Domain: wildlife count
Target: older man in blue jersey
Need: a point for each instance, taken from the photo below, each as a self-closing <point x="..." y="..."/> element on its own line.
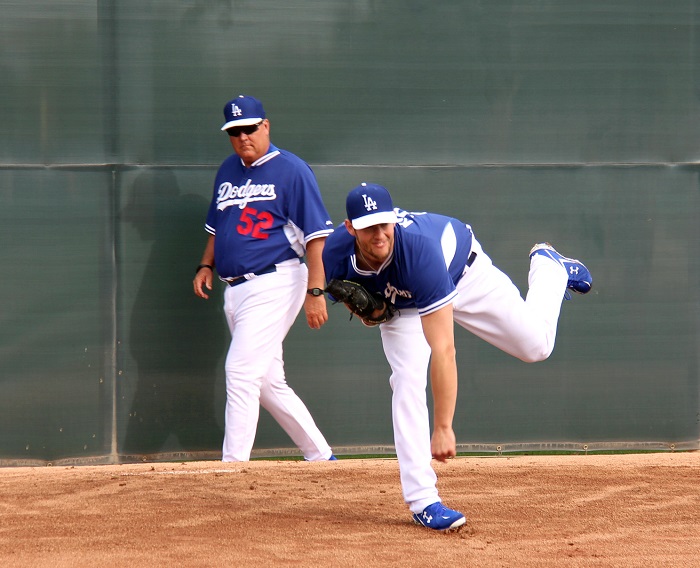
<point x="434" y="271"/>
<point x="266" y="213"/>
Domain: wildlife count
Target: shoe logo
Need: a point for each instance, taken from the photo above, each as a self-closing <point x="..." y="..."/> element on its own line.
<point x="573" y="269"/>
<point x="428" y="518"/>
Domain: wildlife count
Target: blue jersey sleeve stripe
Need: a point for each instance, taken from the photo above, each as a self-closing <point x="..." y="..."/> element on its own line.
<point x="317" y="234"/>
<point x="209" y="229"/>
<point x="435" y="306"/>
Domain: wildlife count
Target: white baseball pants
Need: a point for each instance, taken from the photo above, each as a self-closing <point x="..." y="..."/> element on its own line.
<point x="489" y="305"/>
<point x="260" y="313"/>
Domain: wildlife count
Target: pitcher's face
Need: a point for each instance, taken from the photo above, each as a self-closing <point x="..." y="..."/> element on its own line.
<point x="375" y="243"/>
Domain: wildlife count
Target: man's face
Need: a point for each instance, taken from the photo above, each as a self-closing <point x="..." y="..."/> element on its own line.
<point x="375" y="243"/>
<point x="251" y="147"/>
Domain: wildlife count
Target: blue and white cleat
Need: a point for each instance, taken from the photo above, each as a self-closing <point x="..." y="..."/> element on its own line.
<point x="439" y="518"/>
<point x="580" y="279"/>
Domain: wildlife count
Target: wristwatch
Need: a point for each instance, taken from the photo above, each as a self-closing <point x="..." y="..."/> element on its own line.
<point x="315" y="291"/>
<point x="209" y="266"/>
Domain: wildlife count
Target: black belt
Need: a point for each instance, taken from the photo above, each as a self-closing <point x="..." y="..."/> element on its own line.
<point x="241" y="279"/>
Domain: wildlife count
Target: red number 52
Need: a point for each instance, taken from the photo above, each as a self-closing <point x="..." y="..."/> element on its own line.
<point x="254" y="223"/>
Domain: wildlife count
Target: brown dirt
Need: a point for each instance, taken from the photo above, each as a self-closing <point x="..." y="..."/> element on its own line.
<point x="547" y="511"/>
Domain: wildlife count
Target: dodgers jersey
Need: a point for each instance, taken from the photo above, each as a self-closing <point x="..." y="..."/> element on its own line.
<point x="264" y="214"/>
<point x="429" y="257"/>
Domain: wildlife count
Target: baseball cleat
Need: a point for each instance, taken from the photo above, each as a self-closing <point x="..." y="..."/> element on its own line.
<point x="439" y="518"/>
<point x="580" y="279"/>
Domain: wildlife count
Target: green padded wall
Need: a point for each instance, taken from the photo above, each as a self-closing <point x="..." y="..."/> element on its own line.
<point x="577" y="123"/>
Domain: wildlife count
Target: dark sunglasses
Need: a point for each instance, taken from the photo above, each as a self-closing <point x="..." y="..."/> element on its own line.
<point x="236" y="131"/>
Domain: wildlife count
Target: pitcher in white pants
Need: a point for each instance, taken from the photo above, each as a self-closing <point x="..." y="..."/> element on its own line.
<point x="433" y="270"/>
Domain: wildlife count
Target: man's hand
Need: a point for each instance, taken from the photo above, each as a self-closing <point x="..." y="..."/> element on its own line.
<point x="205" y="276"/>
<point x="203" y="279"/>
<point x="443" y="444"/>
<point x="315" y="306"/>
<point x="316" y="312"/>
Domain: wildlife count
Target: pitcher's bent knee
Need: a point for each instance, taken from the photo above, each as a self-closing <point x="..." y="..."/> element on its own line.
<point x="536" y="355"/>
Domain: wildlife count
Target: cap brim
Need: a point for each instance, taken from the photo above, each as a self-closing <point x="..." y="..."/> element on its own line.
<point x="374" y="219"/>
<point x="242" y="122"/>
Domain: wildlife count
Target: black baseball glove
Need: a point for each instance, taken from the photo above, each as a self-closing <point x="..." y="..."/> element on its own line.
<point x="361" y="302"/>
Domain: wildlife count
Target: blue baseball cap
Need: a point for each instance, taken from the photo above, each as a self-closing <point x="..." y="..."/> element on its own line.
<point x="243" y="111"/>
<point x="369" y="204"/>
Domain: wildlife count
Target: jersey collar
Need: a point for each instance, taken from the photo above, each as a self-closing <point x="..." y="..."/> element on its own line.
<point x="363" y="272"/>
<point x="272" y="152"/>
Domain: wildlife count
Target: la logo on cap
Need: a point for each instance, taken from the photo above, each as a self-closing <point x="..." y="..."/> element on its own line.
<point x="236" y="110"/>
<point x="370" y="203"/>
